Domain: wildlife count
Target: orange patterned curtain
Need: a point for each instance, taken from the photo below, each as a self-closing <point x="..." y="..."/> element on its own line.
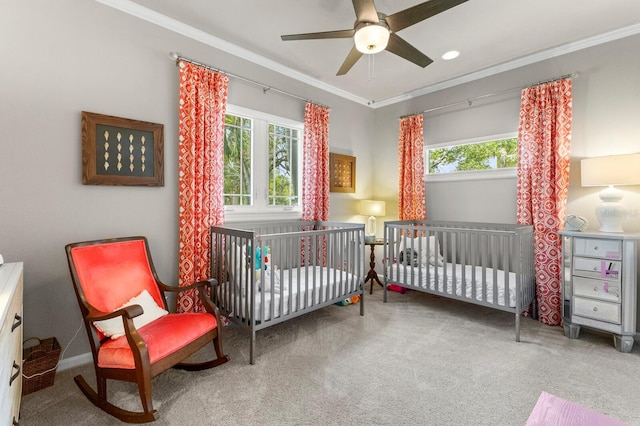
<point x="315" y="170"/>
<point x="544" y="142"/>
<point x="203" y="101"/>
<point x="411" y="201"/>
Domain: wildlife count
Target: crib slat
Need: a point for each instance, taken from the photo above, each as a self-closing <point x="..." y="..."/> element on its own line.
<point x="494" y="262"/>
<point x="309" y="253"/>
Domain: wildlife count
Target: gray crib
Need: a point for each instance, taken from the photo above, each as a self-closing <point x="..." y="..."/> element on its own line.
<point x="487" y="264"/>
<point x="274" y="271"/>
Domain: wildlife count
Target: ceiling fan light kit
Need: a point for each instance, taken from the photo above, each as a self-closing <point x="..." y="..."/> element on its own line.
<point x="374" y="32"/>
<point x="371" y="38"/>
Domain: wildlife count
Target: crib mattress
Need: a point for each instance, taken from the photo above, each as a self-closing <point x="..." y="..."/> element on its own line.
<point x="410" y="276"/>
<point x="299" y="289"/>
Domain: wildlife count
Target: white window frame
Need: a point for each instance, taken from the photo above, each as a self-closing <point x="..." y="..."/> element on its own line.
<point x="260" y="169"/>
<point x="501" y="173"/>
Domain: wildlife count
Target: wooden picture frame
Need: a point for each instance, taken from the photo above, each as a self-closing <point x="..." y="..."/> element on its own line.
<point x="120" y="151"/>
<point x="342" y="173"/>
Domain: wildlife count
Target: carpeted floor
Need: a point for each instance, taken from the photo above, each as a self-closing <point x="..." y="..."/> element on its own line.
<point x="417" y="360"/>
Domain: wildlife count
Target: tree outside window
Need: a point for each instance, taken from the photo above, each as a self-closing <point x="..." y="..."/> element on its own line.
<point x="283" y="166"/>
<point x="261" y="162"/>
<point x="494" y="154"/>
<point x="237" y="161"/>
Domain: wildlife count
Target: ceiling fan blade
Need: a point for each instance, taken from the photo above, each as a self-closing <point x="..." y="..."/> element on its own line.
<point x="406" y="18"/>
<point x="352" y="58"/>
<point x="321" y="35"/>
<point x="403" y="49"/>
<point x="365" y="11"/>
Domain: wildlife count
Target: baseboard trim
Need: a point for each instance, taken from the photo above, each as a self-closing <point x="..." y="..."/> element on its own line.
<point x="75" y="361"/>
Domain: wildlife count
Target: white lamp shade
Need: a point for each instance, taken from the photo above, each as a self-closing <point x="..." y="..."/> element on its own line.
<point x="371" y="38"/>
<point x="372" y="208"/>
<point x="611" y="170"/>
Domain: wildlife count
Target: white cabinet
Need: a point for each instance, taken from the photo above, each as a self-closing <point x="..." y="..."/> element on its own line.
<point x="10" y="342"/>
<point x="599" y="284"/>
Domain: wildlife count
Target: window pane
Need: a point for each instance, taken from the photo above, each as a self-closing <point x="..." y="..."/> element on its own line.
<point x="494" y="154"/>
<point x="283" y="166"/>
<point x="237" y="161"/>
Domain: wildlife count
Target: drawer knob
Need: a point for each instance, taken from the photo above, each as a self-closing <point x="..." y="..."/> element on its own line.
<point x="595" y="247"/>
<point x="16" y="374"/>
<point x="595" y="309"/>
<point x="595" y="289"/>
<point x="16" y="323"/>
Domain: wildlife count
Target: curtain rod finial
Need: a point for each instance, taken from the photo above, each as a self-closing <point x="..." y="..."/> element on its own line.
<point x="173" y="56"/>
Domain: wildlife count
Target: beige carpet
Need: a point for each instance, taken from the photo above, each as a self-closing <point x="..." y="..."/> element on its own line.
<point x="417" y="360"/>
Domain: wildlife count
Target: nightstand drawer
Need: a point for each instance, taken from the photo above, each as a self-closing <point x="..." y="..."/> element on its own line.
<point x="597" y="289"/>
<point x="597" y="268"/>
<point x="594" y="309"/>
<point x="609" y="249"/>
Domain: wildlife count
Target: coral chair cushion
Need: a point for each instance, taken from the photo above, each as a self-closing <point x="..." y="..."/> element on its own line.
<point x="110" y="274"/>
<point x="163" y="337"/>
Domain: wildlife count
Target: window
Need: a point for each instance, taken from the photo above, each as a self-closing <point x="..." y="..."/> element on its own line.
<point x="237" y="160"/>
<point x="283" y="165"/>
<point x="487" y="157"/>
<point x="262" y="163"/>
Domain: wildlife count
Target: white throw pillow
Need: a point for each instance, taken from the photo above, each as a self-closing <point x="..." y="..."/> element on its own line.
<point x="114" y="328"/>
<point x="419" y="245"/>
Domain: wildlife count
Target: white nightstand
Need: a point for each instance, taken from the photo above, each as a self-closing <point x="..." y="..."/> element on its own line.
<point x="599" y="282"/>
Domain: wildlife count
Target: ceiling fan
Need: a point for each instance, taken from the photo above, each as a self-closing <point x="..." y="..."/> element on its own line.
<point x="374" y="31"/>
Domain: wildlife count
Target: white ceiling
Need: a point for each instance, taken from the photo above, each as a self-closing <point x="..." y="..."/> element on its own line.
<point x="492" y="36"/>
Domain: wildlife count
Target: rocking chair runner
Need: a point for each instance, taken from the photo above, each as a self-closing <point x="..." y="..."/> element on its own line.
<point x="132" y="336"/>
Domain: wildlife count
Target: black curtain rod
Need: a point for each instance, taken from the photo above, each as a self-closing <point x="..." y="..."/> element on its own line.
<point x="471" y="100"/>
<point x="265" y="88"/>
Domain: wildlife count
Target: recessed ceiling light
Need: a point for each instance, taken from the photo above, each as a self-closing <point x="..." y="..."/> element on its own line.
<point x="452" y="54"/>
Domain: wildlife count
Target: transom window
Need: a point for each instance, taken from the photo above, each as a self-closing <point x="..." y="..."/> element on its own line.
<point x="491" y="156"/>
<point x="262" y="162"/>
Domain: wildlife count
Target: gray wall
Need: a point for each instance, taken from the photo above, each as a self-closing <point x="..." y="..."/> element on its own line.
<point x="605" y="122"/>
<point x="63" y="57"/>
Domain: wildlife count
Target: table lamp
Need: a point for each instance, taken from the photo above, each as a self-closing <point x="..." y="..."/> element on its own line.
<point x="372" y="209"/>
<point x="611" y="171"/>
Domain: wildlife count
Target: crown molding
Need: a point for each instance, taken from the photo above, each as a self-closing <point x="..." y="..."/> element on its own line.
<point x="149" y="15"/>
<point x="516" y="63"/>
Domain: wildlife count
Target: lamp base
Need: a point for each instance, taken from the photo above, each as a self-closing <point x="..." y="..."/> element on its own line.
<point x="370" y="229"/>
<point x="611" y="216"/>
<point x="610" y="213"/>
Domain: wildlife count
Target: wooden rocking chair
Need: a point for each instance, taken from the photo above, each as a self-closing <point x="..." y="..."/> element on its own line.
<point x="133" y="338"/>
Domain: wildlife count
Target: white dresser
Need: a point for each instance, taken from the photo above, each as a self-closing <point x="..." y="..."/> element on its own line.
<point x="599" y="284"/>
<point x="10" y="342"/>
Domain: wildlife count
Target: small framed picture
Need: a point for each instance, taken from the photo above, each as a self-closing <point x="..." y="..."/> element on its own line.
<point x="120" y="151"/>
<point x="342" y="173"/>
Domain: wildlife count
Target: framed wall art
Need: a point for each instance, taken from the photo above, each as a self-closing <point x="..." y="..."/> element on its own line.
<point x="120" y="151"/>
<point x="342" y="173"/>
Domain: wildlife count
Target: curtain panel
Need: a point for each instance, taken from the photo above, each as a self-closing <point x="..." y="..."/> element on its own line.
<point x="203" y="100"/>
<point x="315" y="169"/>
<point x="411" y="192"/>
<point x="544" y="143"/>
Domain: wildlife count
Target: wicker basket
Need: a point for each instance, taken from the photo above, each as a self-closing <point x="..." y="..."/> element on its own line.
<point x="39" y="364"/>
